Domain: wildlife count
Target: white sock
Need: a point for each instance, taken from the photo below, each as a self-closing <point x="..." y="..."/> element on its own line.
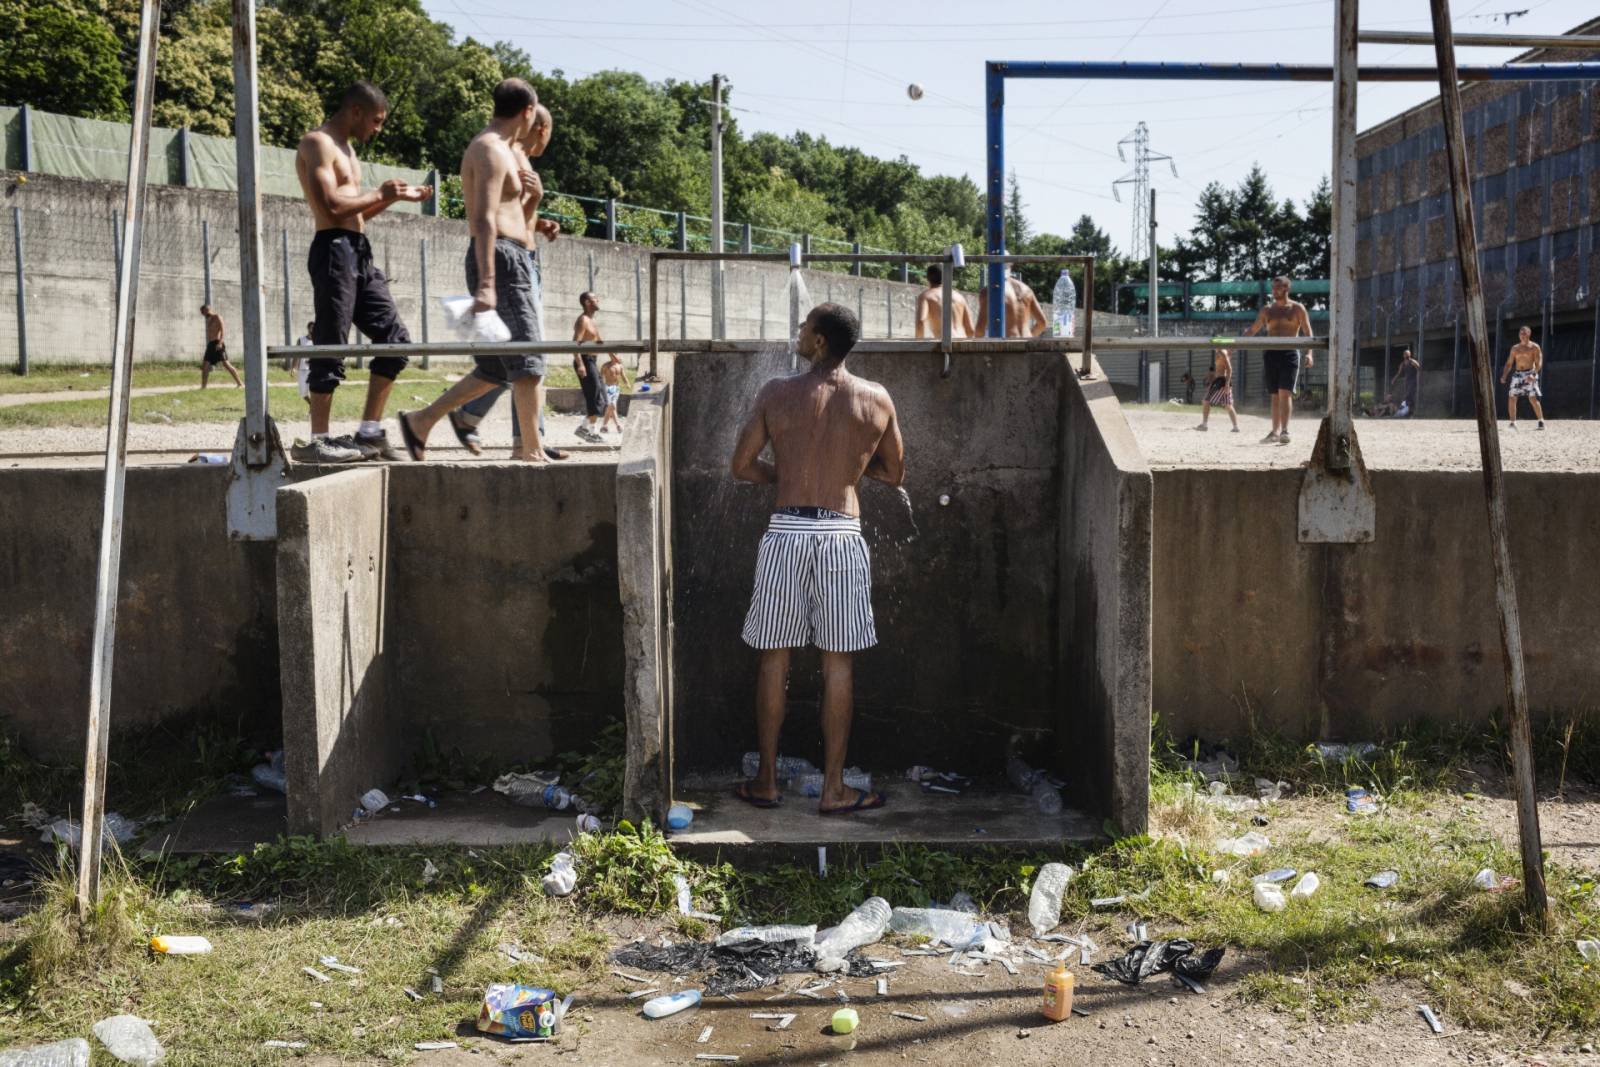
<point x="369" y="429"/>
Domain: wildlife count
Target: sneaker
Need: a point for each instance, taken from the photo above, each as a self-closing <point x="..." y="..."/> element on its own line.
<point x="1283" y="438"/>
<point x="1236" y="429"/>
<point x="323" y="450"/>
<point x="583" y="433"/>
<point x="1203" y="428"/>
<point x="350" y="440"/>
<point x="1540" y="426"/>
<point x="1512" y="427"/>
<point x="1270" y="439"/>
<point x="385" y="451"/>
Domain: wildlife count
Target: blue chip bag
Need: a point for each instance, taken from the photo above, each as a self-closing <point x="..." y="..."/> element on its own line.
<point x="519" y="1011"/>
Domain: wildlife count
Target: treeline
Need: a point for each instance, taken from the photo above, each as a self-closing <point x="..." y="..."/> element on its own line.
<point x="617" y="134"/>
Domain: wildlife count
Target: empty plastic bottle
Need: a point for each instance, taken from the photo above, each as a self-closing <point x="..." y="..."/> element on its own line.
<point x="130" y="1039"/>
<point x="270" y="775"/>
<point x="1306" y="886"/>
<point x="1269" y="897"/>
<point x="810" y="785"/>
<point x="955" y="928"/>
<point x="1046" y="797"/>
<point x="74" y="1052"/>
<point x="1044" y="902"/>
<point x="671" y="1004"/>
<point x="1065" y="305"/>
<point x="861" y="927"/>
<point x="788" y="766"/>
<point x="563" y="876"/>
<point x="556" y="797"/>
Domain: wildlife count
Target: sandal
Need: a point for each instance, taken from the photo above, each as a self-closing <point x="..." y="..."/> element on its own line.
<point x="744" y="792"/>
<point x="866" y="800"/>
<point x="467" y="435"/>
<point x="413" y="442"/>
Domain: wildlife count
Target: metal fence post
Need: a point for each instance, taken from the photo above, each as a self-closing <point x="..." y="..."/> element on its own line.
<point x="611" y="218"/>
<point x="744" y="239"/>
<point x="805" y="244"/>
<point x="638" y="302"/>
<point x="22" y="300"/>
<point x="205" y="255"/>
<point x="116" y="239"/>
<point x="905" y="272"/>
<point x="184" y="177"/>
<point x="422" y="250"/>
<point x="855" y="268"/>
<point x="430" y="206"/>
<point x="888" y="311"/>
<point x="288" y="300"/>
<point x="27" y="138"/>
<point x="683" y="232"/>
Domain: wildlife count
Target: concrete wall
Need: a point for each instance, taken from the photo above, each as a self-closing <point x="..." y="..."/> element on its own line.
<point x="71" y="254"/>
<point x="1343" y="642"/>
<point x="965" y="595"/>
<point x="1105" y="605"/>
<point x="196" y="630"/>
<point x="339" y="738"/>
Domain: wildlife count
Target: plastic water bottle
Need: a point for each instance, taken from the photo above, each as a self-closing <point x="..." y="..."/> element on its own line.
<point x="810" y="785"/>
<point x="1306" y="886"/>
<point x="671" y="1004"/>
<point x="73" y="1052"/>
<point x="270" y="775"/>
<point x="1044" y="902"/>
<point x="1268" y="897"/>
<point x="954" y="928"/>
<point x="556" y="798"/>
<point x="789" y="767"/>
<point x="861" y="927"/>
<point x="1046" y="797"/>
<point x="1065" y="309"/>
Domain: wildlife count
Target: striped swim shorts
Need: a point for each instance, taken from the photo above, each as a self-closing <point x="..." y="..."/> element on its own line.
<point x="813" y="585"/>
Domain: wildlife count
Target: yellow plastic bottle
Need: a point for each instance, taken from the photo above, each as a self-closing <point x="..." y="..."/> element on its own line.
<point x="1058" y="993"/>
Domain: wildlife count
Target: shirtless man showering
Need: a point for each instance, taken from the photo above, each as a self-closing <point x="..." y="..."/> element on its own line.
<point x="930" y="309"/>
<point x="1024" y="315"/>
<point x="1282" y="318"/>
<point x="827" y="429"/>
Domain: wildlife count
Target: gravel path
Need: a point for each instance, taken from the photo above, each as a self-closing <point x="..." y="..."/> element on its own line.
<point x="1169" y="440"/>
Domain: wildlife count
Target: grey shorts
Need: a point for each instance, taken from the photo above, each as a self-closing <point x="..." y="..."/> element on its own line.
<point x="517" y="304"/>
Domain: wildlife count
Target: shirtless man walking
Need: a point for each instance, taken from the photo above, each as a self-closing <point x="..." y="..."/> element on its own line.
<point x="493" y="181"/>
<point x="1024" y="315"/>
<point x="1282" y="318"/>
<point x="930" y="309"/>
<point x="216" y="351"/>
<point x="1219" y="390"/>
<point x="1523" y="366"/>
<point x="594" y="390"/>
<point x="813" y="583"/>
<point x="348" y="287"/>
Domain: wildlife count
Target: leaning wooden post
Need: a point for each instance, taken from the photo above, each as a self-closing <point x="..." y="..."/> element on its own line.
<point x="1505" y="590"/>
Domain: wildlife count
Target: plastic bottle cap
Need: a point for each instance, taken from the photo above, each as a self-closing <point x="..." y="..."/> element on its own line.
<point x="845" y="1020"/>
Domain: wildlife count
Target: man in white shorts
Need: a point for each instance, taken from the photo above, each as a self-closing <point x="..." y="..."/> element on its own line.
<point x="827" y="429"/>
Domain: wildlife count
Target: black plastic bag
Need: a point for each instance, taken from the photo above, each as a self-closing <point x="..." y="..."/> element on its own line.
<point x="1156" y="957"/>
<point x="734" y="968"/>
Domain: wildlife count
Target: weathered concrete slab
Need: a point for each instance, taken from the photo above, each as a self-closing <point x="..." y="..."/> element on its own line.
<point x="643" y="562"/>
<point x="1103" y="744"/>
<point x="339" y="736"/>
<point x="484" y="820"/>
<point x="222" y="824"/>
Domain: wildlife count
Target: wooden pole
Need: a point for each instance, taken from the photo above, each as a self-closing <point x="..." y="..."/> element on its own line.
<point x="1493" y="476"/>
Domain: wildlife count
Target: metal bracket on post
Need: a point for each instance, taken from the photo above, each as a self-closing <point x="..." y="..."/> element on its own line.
<point x="1336" y="502"/>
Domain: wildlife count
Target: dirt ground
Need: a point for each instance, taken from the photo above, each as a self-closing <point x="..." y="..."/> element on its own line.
<point x="1169" y="439"/>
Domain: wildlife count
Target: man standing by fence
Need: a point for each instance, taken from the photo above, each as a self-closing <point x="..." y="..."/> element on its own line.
<point x="1282" y="318"/>
<point x="347" y="285"/>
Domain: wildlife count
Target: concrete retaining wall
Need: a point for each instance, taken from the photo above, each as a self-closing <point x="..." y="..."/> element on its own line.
<point x="1105" y="605"/>
<point x="339" y="737"/>
<point x="1344" y="642"/>
<point x="196" y="625"/>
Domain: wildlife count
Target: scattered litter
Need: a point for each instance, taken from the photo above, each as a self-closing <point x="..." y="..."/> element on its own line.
<point x="270" y="775"/>
<point x="1260" y="820"/>
<point x="317" y="1004"/>
<point x="933" y="781"/>
<point x="671" y="1004"/>
<point x="113" y="830"/>
<point x="679" y="816"/>
<point x="374" y="801"/>
<point x="741" y="960"/>
<point x="863" y="926"/>
<point x="814" y="992"/>
<point x="1108" y="902"/>
<point x="1589" y="950"/>
<point x="766" y="935"/>
<point x="420" y="799"/>
<point x="1341" y="752"/>
<point x="412" y="993"/>
<point x="1488" y="880"/>
<point x="705" y="1035"/>
<point x="883" y="983"/>
<point x="637" y="993"/>
<point x="520" y="955"/>
<point x="1305" y="887"/>
<point x="519" y="1011"/>
<point x="563" y="876"/>
<point x="437" y="985"/>
<point x="1269" y="791"/>
<point x="1269" y="897"/>
<point x="1158" y="957"/>
<point x="845" y="1021"/>
<point x="1036" y="954"/>
<point x="1280" y="874"/>
<point x="1382" y="880"/>
<point x="631" y="977"/>
<point x="283" y="1044"/>
<point x="887" y="965"/>
<point x="783" y="1018"/>
<point x="73" y="1052"/>
<point x="686" y="901"/>
<point x="721" y="1057"/>
<point x="955" y="928"/>
<point x="1223" y="766"/>
<point x="318" y="975"/>
<point x="909" y="1015"/>
<point x="1251" y="844"/>
<point x="429" y="872"/>
<point x="1044" y="901"/>
<point x="1217" y="796"/>
<point x="1221" y="877"/>
<point x="788" y="766"/>
<point x="810" y="785"/>
<point x="1193" y="986"/>
<point x="534" y="789"/>
<point x="182" y="945"/>
<point x="434" y="1046"/>
<point x="1430" y="1018"/>
<point x="822" y="861"/>
<point x="1138" y="931"/>
<point x="333" y="964"/>
<point x="1080" y="1013"/>
<point x="129" y="1039"/>
<point x="1359" y="802"/>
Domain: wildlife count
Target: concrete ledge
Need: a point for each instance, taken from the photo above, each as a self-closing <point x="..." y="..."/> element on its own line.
<point x="1105" y="549"/>
<point x="332" y="588"/>
<point x="642" y="549"/>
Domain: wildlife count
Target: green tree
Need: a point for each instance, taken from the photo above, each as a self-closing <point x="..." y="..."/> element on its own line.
<point x="60" y="57"/>
<point x="1017" y="229"/>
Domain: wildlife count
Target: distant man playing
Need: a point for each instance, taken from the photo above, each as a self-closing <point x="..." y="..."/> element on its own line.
<point x="1282" y="318"/>
<point x="930" y="309"/>
<point x="1523" y="366"/>
<point x="347" y="286"/>
<point x="813" y="583"/>
<point x="594" y="390"/>
<point x="499" y="273"/>
<point x="216" y="351"/>
<point x="1024" y="316"/>
<point x="1411" y="371"/>
<point x="1219" y="390"/>
<point x="466" y="419"/>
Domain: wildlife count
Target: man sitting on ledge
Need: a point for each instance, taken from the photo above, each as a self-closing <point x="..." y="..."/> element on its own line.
<point x="813" y="583"/>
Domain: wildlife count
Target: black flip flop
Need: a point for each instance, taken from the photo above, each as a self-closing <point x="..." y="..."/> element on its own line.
<point x="742" y="791"/>
<point x="413" y="442"/>
<point x="465" y="434"/>
<point x="866" y="800"/>
<point x="556" y="453"/>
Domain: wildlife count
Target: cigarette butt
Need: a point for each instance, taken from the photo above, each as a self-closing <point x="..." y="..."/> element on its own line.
<point x="909" y="1015"/>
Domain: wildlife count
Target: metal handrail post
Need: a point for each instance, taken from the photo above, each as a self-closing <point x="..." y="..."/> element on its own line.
<point x="994" y="91"/>
<point x="1086" y="371"/>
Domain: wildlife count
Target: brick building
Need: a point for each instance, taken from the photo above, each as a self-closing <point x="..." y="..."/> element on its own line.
<point x="1533" y="150"/>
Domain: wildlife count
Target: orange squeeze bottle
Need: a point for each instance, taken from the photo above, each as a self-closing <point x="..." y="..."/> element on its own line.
<point x="1058" y="993"/>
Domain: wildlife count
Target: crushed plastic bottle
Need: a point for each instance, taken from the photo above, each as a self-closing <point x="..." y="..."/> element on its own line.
<point x="671" y="1004"/>
<point x="563" y="876"/>
<point x="1046" y="794"/>
<point x="129" y="1039"/>
<point x="957" y="929"/>
<point x="374" y="801"/>
<point x="789" y="767"/>
<point x="863" y="926"/>
<point x="1250" y="844"/>
<point x="73" y="1052"/>
<point x="1044" y="902"/>
<point x="1269" y="897"/>
<point x="270" y="775"/>
<point x="810" y="785"/>
<point x="1305" y="887"/>
<point x="1064" y="305"/>
<point x="804" y="936"/>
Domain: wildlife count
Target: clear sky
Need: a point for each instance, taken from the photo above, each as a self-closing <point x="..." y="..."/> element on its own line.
<point x="840" y="68"/>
